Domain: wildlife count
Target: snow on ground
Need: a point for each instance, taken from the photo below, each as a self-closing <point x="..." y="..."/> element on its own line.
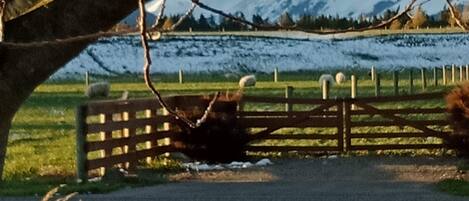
<point x="197" y="166"/>
<point x="231" y="54"/>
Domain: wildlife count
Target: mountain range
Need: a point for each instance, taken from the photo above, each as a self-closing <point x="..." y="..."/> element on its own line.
<point x="272" y="9"/>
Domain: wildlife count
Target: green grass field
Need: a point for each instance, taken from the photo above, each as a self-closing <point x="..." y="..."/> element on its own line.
<point x="41" y="152"/>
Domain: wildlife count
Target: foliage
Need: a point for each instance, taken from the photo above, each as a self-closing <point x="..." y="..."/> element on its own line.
<point x="285" y="20"/>
<point x="168" y="23"/>
<point x="458" y="107"/>
<point x="395" y="25"/>
<point x="419" y="19"/>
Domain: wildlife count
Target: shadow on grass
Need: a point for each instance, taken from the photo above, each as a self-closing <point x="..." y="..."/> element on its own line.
<point x="41" y="185"/>
<point x="454" y="187"/>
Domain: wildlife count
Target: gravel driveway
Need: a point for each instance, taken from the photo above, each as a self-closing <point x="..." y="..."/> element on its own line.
<point x="350" y="179"/>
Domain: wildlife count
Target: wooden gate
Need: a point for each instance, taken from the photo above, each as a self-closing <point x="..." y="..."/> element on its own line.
<point x="124" y="132"/>
<point x="269" y="118"/>
<point x="367" y="120"/>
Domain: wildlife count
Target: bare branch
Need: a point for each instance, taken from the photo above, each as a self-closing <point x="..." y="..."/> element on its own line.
<point x="68" y="197"/>
<point x="204" y="118"/>
<point x="160" y="15"/>
<point x="203" y="6"/>
<point x="456" y="16"/>
<point x="49" y="195"/>
<point x="408" y="8"/>
<point x="184" y="17"/>
<point x="147" y="67"/>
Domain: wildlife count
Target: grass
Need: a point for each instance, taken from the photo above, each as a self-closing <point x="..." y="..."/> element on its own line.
<point x="454" y="187"/>
<point x="41" y="152"/>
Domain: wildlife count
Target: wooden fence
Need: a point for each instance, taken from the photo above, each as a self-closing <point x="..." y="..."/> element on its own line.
<point x="120" y="133"/>
<point x="124" y="133"/>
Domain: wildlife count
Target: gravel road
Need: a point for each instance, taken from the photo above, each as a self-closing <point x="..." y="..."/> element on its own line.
<point x="354" y="178"/>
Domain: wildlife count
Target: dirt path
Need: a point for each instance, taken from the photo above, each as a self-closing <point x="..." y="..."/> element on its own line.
<point x="356" y="178"/>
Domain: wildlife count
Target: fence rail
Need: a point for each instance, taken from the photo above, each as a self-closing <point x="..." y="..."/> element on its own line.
<point x="123" y="133"/>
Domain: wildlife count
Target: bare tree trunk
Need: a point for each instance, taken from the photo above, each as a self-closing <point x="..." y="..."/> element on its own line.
<point x="22" y="69"/>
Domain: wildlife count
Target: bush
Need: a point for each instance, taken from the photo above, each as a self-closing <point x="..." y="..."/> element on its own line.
<point x="458" y="108"/>
<point x="219" y="139"/>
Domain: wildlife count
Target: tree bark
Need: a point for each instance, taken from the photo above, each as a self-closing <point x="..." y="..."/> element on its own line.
<point x="22" y="69"/>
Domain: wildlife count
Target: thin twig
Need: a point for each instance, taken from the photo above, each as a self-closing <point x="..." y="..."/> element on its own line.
<point x="147" y="66"/>
<point x="456" y="16"/>
<point x="49" y="195"/>
<point x="204" y="118"/>
<point x="147" y="74"/>
<point x="184" y="17"/>
<point x="408" y="8"/>
<point x="68" y="197"/>
<point x="98" y="35"/>
<point x="160" y="15"/>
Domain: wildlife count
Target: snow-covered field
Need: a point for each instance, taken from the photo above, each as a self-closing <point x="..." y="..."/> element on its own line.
<point x="231" y="54"/>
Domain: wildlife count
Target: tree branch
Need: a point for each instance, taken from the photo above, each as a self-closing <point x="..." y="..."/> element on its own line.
<point x="147" y="68"/>
<point x="184" y="17"/>
<point x="456" y="16"/>
<point x="160" y="15"/>
<point x="3" y="5"/>
<point x="408" y="8"/>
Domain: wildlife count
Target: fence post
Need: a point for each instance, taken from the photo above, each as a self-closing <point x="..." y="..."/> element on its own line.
<point x="373" y="73"/>
<point x="378" y="85"/>
<point x="435" y="76"/>
<point x="150" y="130"/>
<point x="453" y="73"/>
<point x="395" y="77"/>
<point x="467" y="72"/>
<point x="276" y="74"/>
<point x="353" y="93"/>
<point x="424" y="78"/>
<point x="347" y="124"/>
<point x="288" y="94"/>
<point x="80" y="119"/>
<point x="87" y="78"/>
<point x="445" y="76"/>
<point x="340" y="126"/>
<point x="461" y="73"/>
<point x="104" y="136"/>
<point x="411" y="81"/>
<point x="181" y="76"/>
<point x="325" y="89"/>
<point x="131" y="147"/>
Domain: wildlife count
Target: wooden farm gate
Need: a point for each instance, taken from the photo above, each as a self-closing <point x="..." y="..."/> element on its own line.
<point x="364" y="124"/>
<point x="126" y="132"/>
<point x="406" y="122"/>
<point x="272" y="121"/>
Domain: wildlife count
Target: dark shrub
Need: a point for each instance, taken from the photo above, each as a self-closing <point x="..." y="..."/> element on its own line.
<point x="458" y="107"/>
<point x="219" y="139"/>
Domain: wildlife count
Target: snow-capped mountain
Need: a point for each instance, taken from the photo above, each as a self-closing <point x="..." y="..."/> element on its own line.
<point x="272" y="9"/>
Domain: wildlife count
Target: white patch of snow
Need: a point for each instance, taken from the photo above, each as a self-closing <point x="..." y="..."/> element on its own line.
<point x="264" y="162"/>
<point x="197" y="166"/>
